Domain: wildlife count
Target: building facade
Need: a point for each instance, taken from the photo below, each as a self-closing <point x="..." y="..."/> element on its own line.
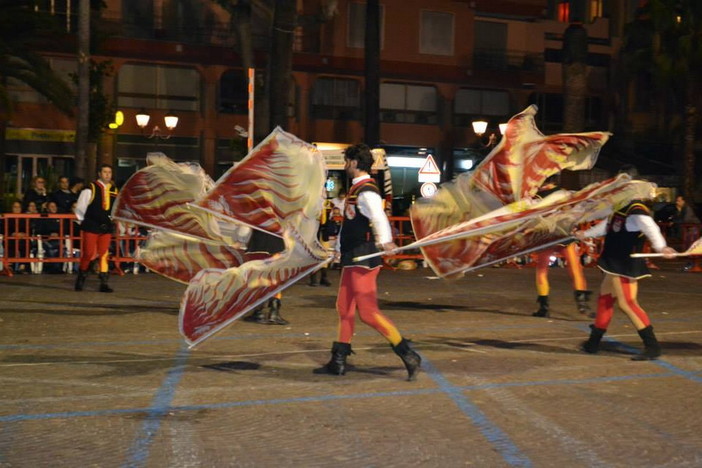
<point x="444" y="64"/>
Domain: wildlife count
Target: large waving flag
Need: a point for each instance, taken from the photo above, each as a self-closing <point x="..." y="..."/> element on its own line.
<point x="488" y="215"/>
<point x="200" y="228"/>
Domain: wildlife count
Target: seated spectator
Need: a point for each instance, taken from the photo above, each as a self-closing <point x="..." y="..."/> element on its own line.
<point x="49" y="229"/>
<point x="36" y="193"/>
<point x="64" y="196"/>
<point x="17" y="230"/>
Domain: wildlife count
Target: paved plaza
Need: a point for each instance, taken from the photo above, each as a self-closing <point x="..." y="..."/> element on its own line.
<point x="104" y="380"/>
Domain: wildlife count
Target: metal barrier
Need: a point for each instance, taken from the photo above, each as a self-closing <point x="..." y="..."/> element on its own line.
<point x="33" y="243"/>
<point x="28" y="239"/>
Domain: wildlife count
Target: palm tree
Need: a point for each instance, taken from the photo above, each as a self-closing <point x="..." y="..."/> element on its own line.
<point x="20" y="25"/>
<point x="665" y="41"/>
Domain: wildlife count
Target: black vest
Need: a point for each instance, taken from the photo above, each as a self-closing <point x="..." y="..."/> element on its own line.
<point x="97" y="216"/>
<point x="620" y="243"/>
<point x="356" y="233"/>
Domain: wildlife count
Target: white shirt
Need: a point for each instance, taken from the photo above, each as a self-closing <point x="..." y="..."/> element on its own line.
<point x="634" y="223"/>
<point x="370" y="205"/>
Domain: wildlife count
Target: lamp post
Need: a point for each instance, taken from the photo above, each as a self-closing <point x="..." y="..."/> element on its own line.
<point x="480" y="127"/>
<point x="170" y="120"/>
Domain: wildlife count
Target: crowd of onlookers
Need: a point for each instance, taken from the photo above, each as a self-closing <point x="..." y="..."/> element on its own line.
<point x="43" y="234"/>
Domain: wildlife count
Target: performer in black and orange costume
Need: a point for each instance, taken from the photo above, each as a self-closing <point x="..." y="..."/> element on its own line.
<point x="625" y="233"/>
<point x="262" y="245"/>
<point x="575" y="268"/>
<point x="365" y="225"/>
<point x="93" y="211"/>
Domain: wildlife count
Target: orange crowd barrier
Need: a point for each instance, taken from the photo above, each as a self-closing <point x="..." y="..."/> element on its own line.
<point x="37" y="243"/>
<point x="45" y="242"/>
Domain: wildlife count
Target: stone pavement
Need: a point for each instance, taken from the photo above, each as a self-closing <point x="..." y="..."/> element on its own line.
<point x="90" y="379"/>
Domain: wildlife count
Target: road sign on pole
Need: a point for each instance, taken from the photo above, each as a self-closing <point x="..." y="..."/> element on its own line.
<point x="430" y="171"/>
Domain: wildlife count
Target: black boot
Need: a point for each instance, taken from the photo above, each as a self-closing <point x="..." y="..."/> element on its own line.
<point x="410" y="357"/>
<point x="275" y="318"/>
<point x="314" y="279"/>
<point x="543" y="307"/>
<point x="103" y="283"/>
<point x="592" y="345"/>
<point x="258" y="316"/>
<point x="324" y="281"/>
<point x="651" y="347"/>
<point x="337" y="363"/>
<point x="582" y="300"/>
<point x="80" y="280"/>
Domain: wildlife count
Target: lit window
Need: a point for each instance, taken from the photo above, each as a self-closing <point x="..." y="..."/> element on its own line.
<point x="595" y="9"/>
<point x="564" y="12"/>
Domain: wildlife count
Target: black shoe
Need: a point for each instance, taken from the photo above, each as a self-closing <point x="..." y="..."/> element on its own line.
<point x="103" y="283"/>
<point x="652" y="349"/>
<point x="410" y="358"/>
<point x="582" y="301"/>
<point x="257" y="316"/>
<point x="543" y="307"/>
<point x="337" y="363"/>
<point x="80" y="280"/>
<point x="275" y="318"/>
<point x="592" y="345"/>
<point x="325" y="282"/>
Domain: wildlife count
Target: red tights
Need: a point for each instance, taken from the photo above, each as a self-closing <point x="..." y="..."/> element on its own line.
<point x="358" y="289"/>
<point x="624" y="290"/>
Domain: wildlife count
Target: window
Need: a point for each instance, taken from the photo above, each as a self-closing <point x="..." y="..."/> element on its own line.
<point x="564" y="12"/>
<point x="158" y="87"/>
<point x="357" y="25"/>
<point x="436" y="33"/>
<point x="484" y="103"/>
<point x="233" y="92"/>
<point x="490" y="50"/>
<point x="336" y="98"/>
<point x="596" y="10"/>
<point x="404" y="103"/>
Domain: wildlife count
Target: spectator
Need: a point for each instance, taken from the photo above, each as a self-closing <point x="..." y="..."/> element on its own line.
<point x="340" y="200"/>
<point x="48" y="229"/>
<point x="36" y="193"/>
<point x="684" y="214"/>
<point x="64" y="196"/>
<point x="18" y="231"/>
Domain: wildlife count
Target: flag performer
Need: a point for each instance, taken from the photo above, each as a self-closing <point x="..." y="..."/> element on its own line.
<point x="365" y="226"/>
<point x="575" y="268"/>
<point x="93" y="210"/>
<point x="625" y="233"/>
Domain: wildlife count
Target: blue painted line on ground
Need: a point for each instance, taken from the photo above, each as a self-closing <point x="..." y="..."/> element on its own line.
<point x="139" y="452"/>
<point x="496" y="436"/>
<point x="320" y="398"/>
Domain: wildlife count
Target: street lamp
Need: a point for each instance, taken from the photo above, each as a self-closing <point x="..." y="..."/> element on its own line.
<point x="171" y="121"/>
<point x="479" y="128"/>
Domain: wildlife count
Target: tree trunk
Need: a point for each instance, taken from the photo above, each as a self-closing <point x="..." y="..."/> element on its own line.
<point x="689" y="181"/>
<point x="372" y="72"/>
<point x="574" y="89"/>
<point x="83" y="89"/>
<point x="3" y="158"/>
<point x="284" y="20"/>
<point x="241" y="16"/>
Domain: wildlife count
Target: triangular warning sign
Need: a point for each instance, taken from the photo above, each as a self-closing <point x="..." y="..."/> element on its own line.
<point x="429" y="167"/>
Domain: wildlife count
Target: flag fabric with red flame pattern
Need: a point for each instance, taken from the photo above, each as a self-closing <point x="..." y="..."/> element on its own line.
<point x="200" y="228"/>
